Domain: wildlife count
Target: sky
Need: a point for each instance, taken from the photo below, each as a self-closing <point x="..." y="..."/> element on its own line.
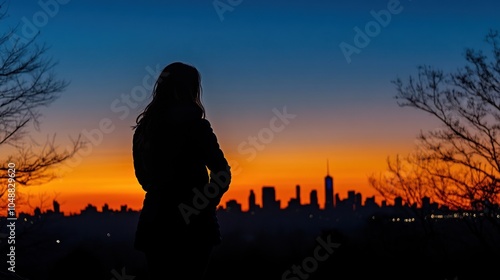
<point x="288" y="86"/>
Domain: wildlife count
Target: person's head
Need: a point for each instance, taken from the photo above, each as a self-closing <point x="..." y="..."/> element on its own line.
<point x="178" y="84"/>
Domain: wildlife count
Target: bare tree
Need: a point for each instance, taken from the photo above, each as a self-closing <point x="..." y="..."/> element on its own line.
<point x="458" y="163"/>
<point x="27" y="84"/>
<point x="408" y="179"/>
<point x="465" y="150"/>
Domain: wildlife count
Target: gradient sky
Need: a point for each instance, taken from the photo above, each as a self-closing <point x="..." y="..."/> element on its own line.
<point x="254" y="57"/>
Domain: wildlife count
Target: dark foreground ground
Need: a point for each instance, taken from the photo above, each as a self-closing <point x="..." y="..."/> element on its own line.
<point x="100" y="247"/>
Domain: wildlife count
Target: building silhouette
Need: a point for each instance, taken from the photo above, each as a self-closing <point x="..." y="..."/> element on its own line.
<point x="233" y="206"/>
<point x="295" y="203"/>
<point x="252" y="205"/>
<point x="329" y="203"/>
<point x="269" y="202"/>
<point x="105" y="208"/>
<point x="57" y="207"/>
<point x="297" y="194"/>
<point x="313" y="198"/>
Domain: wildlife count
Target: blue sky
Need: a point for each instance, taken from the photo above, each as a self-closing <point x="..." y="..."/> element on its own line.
<point x="262" y="54"/>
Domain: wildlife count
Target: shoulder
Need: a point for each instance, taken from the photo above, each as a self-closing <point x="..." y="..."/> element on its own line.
<point x="137" y="133"/>
<point x="206" y="131"/>
<point x="205" y="125"/>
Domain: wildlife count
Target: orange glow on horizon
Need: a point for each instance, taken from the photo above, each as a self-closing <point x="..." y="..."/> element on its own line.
<point x="109" y="179"/>
<point x="104" y="175"/>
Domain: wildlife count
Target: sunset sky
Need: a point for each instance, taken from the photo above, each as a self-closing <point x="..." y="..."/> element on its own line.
<point x="259" y="60"/>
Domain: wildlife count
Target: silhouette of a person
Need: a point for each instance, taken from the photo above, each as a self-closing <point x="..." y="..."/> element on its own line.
<point x="184" y="173"/>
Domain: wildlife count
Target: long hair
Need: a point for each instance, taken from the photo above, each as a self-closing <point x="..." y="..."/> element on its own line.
<point x="178" y="83"/>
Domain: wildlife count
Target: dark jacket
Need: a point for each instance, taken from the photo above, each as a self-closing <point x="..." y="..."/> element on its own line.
<point x="178" y="162"/>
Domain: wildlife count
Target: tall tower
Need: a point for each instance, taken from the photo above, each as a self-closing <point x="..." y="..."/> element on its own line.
<point x="57" y="208"/>
<point x="313" y="197"/>
<point x="297" y="194"/>
<point x="252" y="206"/>
<point x="269" y="201"/>
<point x="329" y="202"/>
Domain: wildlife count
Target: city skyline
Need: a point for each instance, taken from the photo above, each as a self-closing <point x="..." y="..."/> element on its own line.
<point x="327" y="195"/>
<point x="281" y="89"/>
<point x="82" y="241"/>
<point x="268" y="201"/>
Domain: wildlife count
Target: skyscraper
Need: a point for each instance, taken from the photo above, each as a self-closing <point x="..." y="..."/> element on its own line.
<point x="269" y="201"/>
<point x="297" y="194"/>
<point x="313" y="197"/>
<point x="251" y="201"/>
<point x="329" y="203"/>
<point x="57" y="208"/>
<point x="294" y="202"/>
